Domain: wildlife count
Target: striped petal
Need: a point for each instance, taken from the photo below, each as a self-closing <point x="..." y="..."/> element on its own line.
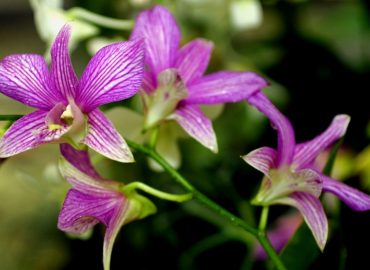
<point x="79" y="159"/>
<point x="354" y="198"/>
<point x="262" y="159"/>
<point x="121" y="217"/>
<point x="224" y="86"/>
<point x="286" y="139"/>
<point x="85" y="183"/>
<point x="25" y="77"/>
<point x="104" y="138"/>
<point x="94" y="200"/>
<point x="313" y="214"/>
<point x="81" y="211"/>
<point x="197" y="125"/>
<point x="23" y="134"/>
<point x="192" y="60"/>
<point x="307" y="152"/>
<point x="113" y="74"/>
<point x="161" y="34"/>
<point x="62" y="72"/>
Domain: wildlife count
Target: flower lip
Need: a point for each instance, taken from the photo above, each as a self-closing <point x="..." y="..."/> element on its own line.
<point x="161" y="103"/>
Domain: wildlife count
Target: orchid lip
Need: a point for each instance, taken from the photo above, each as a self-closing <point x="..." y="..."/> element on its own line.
<point x="161" y="103"/>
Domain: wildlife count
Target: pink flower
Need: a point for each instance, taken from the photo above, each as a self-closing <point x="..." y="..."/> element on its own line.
<point x="67" y="108"/>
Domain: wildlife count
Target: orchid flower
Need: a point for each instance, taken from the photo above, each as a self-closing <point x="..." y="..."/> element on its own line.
<point x="93" y="199"/>
<point x="67" y="108"/>
<point x="174" y="82"/>
<point x="290" y="174"/>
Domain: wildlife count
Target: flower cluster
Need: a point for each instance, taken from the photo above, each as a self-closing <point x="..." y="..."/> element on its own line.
<point x="172" y="84"/>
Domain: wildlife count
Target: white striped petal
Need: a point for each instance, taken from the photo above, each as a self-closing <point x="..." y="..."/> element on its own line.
<point x="197" y="125"/>
<point x="79" y="159"/>
<point x="23" y="134"/>
<point x="25" y="77"/>
<point x="104" y="138"/>
<point x="262" y="159"/>
<point x="192" y="59"/>
<point x="113" y="74"/>
<point x="81" y="211"/>
<point x="161" y="35"/>
<point x="223" y="87"/>
<point x="62" y="72"/>
<point x="312" y="212"/>
<point x="307" y="152"/>
<point x="354" y="198"/>
<point x="286" y="138"/>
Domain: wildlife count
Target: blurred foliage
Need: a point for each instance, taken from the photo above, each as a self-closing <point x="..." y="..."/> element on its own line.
<point x="316" y="55"/>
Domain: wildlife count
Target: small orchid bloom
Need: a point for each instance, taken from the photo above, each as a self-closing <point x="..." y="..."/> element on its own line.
<point x="93" y="199"/>
<point x="174" y="82"/>
<point x="67" y="108"/>
<point x="290" y="174"/>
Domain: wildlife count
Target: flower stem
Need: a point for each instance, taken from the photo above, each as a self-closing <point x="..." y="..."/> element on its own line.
<point x="107" y="22"/>
<point x="157" y="193"/>
<point x="207" y="202"/>
<point x="153" y="137"/>
<point x="263" y="219"/>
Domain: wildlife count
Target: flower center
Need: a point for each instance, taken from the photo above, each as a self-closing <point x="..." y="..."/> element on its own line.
<point x="160" y="104"/>
<point x="283" y="181"/>
<point x="67" y="121"/>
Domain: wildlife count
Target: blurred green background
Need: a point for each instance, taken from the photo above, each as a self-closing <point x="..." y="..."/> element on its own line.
<point x="316" y="55"/>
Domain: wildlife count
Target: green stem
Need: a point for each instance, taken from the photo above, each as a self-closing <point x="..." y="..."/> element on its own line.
<point x="89" y="16"/>
<point x="10" y="117"/>
<point x="153" y="137"/>
<point x="263" y="219"/>
<point x="200" y="197"/>
<point x="157" y="193"/>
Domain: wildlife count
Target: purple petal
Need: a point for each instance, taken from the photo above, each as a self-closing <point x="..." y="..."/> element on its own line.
<point x="162" y="38"/>
<point x="262" y="159"/>
<point x="149" y="82"/>
<point x="313" y="214"/>
<point x="104" y="138"/>
<point x="79" y="158"/>
<point x="286" y="140"/>
<point x="197" y="125"/>
<point x="23" y="134"/>
<point x="81" y="211"/>
<point x="25" y="77"/>
<point x="307" y="152"/>
<point x="192" y="60"/>
<point x="114" y="73"/>
<point x="62" y="72"/>
<point x="85" y="183"/>
<point x="354" y="198"/>
<point x="224" y="86"/>
<point x="115" y="224"/>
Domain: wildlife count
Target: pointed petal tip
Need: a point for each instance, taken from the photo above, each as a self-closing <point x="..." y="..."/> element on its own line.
<point x="214" y="147"/>
<point x="262" y="159"/>
<point x="342" y="120"/>
<point x="128" y="157"/>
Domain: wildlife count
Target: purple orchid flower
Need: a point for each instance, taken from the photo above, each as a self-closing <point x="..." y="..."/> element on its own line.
<point x="291" y="177"/>
<point x="67" y="108"/>
<point x="174" y="82"/>
<point x="93" y="199"/>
